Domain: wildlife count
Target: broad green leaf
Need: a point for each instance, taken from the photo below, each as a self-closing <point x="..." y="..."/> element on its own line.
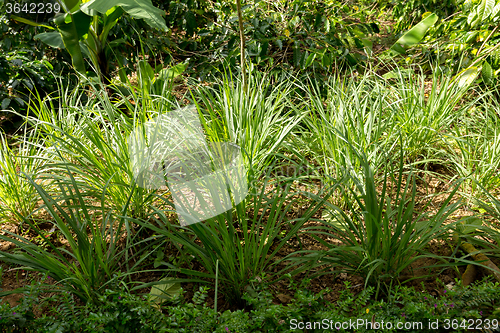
<point x="352" y="60"/>
<point x="117" y="42"/>
<point x="470" y="225"/>
<point x="481" y="13"/>
<point x="495" y="12"/>
<point x="71" y="33"/>
<point x="426" y="14"/>
<point x="173" y="72"/>
<point x="19" y="101"/>
<point x="52" y="39"/>
<point x="265" y="46"/>
<point x="138" y="9"/>
<point x="310" y="59"/>
<point x="466" y="77"/>
<point x="81" y="22"/>
<point x="487" y="8"/>
<point x="110" y="20"/>
<point x="145" y="74"/>
<point x="29" y="22"/>
<point x="368" y="44"/>
<point x="71" y="5"/>
<point x="471" y="36"/>
<point x="487" y="72"/>
<point x="166" y="290"/>
<point x="326" y="60"/>
<point x="415" y="34"/>
<point x="190" y="22"/>
<point x="472" y="17"/>
<point x="398" y="48"/>
<point x="359" y="43"/>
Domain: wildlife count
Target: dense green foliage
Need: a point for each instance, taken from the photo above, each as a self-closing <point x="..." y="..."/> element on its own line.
<point x="121" y="311"/>
<point x="26" y="64"/>
<point x="345" y="123"/>
<point x="321" y="36"/>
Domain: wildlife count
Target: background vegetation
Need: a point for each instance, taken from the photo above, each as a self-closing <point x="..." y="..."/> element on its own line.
<point x="370" y="132"/>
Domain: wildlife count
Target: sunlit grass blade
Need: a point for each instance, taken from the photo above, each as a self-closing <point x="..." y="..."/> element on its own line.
<point x="477" y="156"/>
<point x="18" y="198"/>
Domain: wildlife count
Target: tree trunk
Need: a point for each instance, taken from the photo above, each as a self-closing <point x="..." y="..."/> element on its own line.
<point x="242" y="45"/>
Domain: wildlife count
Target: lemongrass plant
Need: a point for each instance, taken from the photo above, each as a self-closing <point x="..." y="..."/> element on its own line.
<point x="426" y="111"/>
<point x="90" y="249"/>
<point x="354" y="107"/>
<point x="18" y="197"/>
<point x="483" y="231"/>
<point x="377" y="236"/>
<point x="245" y="240"/>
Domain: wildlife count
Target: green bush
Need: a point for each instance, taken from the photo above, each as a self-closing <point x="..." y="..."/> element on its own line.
<point x="121" y="311"/>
